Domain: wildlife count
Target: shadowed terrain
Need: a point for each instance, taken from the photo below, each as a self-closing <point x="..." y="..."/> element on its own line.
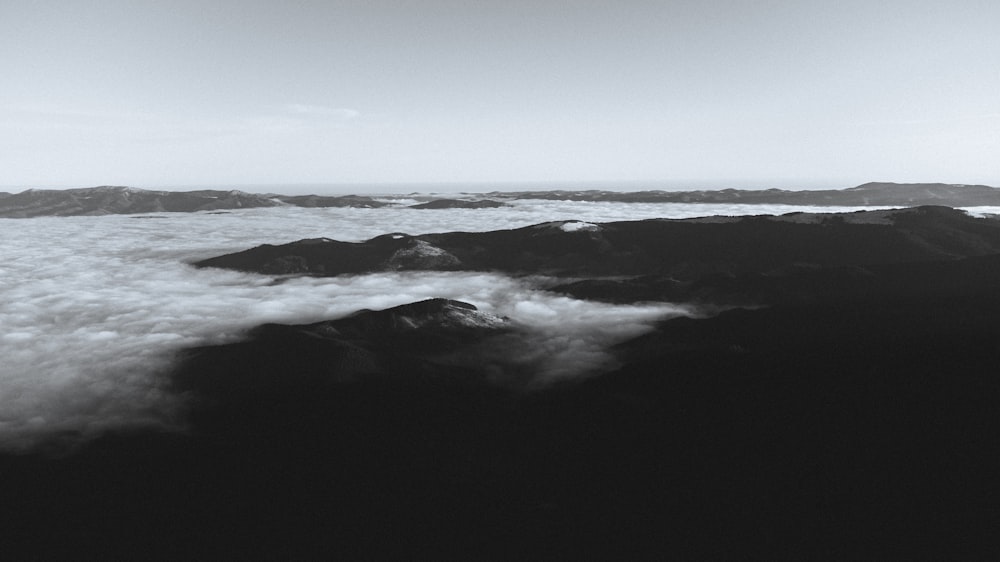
<point x="684" y="250"/>
<point x="848" y="410"/>
<point x="459" y="204"/>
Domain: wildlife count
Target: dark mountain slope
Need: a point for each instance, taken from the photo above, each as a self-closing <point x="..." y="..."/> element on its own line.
<point x="858" y="429"/>
<point x="417" y="339"/>
<point x="861" y="426"/>
<point x="459" y="204"/>
<point x="802" y="283"/>
<point x="683" y="249"/>
<point x="331" y="201"/>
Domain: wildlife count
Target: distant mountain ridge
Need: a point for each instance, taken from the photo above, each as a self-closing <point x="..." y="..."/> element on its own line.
<point x="872" y="193"/>
<point x="106" y="200"/>
<point x="115" y="200"/>
<point x="459" y="204"/>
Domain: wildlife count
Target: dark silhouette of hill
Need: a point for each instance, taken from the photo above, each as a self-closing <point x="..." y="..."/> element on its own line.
<point x="854" y="429"/>
<point x="873" y="193"/>
<point x="849" y="414"/>
<point x="331" y="201"/>
<point x="680" y="249"/>
<point x="418" y="339"/>
<point x="459" y="204"/>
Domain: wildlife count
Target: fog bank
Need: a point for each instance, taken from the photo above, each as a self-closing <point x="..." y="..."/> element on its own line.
<point x="93" y="309"/>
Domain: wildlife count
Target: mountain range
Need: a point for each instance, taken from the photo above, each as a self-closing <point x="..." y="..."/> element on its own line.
<point x="112" y="200"/>
<point x="684" y="256"/>
<point x="869" y="194"/>
<point x="125" y="200"/>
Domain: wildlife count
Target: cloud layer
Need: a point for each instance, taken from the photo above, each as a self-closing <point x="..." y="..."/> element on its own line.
<point x="93" y="309"/>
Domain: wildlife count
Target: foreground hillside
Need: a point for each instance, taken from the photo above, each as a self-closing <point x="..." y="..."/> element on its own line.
<point x="847" y="412"/>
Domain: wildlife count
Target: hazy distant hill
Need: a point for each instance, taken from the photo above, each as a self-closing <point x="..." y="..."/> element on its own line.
<point x="111" y="200"/>
<point x="107" y="200"/>
<point x="876" y="193"/>
<point x="459" y="204"/>
<point x="330" y="201"/>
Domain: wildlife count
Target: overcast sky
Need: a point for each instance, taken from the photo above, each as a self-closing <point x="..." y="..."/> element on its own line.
<point x="765" y="92"/>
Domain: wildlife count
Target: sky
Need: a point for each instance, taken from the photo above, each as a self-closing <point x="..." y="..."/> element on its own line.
<point x="763" y="93"/>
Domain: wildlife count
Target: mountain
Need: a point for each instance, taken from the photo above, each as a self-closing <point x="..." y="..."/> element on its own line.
<point x="330" y="201"/>
<point x="117" y="200"/>
<point x="913" y="194"/>
<point x="414" y="343"/>
<point x="684" y="250"/>
<point x="873" y="194"/>
<point x="107" y="200"/>
<point x="459" y="204"/>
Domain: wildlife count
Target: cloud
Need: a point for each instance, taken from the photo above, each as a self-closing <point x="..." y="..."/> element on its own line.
<point x="563" y="338"/>
<point x="94" y="309"/>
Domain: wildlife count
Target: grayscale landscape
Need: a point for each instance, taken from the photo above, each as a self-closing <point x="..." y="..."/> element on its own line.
<point x="533" y="281"/>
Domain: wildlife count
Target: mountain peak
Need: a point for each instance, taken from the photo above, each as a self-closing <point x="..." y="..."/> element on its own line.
<point x="436" y="312"/>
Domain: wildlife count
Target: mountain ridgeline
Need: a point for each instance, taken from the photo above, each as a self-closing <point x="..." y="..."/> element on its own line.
<point x="127" y="200"/>
<point x="115" y="200"/>
<point x="869" y="194"/>
<point x="680" y="259"/>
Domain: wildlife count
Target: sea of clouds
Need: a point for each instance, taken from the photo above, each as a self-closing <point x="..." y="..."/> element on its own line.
<point x="93" y="310"/>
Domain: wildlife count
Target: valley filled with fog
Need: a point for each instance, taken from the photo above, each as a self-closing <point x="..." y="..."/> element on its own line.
<point x="94" y="309"/>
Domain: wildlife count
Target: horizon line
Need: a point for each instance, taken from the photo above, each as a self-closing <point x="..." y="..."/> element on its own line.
<point x="546" y="185"/>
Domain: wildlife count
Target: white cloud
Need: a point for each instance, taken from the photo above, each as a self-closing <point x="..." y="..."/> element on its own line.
<point x="92" y="309"/>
